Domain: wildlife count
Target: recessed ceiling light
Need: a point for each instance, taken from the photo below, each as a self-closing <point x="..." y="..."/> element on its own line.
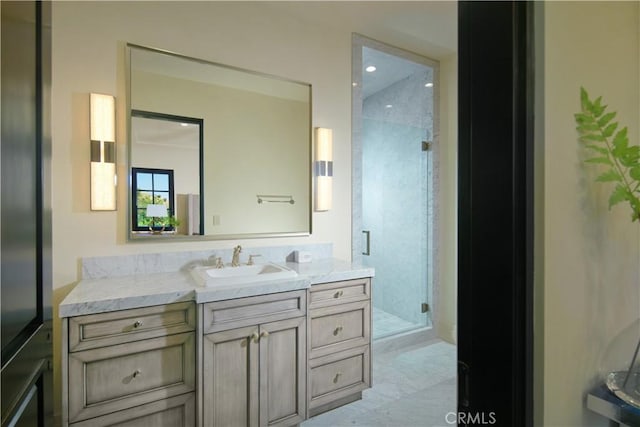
<point x="388" y="106"/>
<point x="428" y="84"/>
<point x="184" y="124"/>
<point x="370" y="69"/>
<point x="354" y="84"/>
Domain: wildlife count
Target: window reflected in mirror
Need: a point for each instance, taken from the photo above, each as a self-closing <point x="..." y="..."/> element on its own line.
<point x="153" y="205"/>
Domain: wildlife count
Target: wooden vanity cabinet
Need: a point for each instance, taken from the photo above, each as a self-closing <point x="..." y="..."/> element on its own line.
<point x="131" y="367"/>
<point x="254" y="361"/>
<point x="339" y="343"/>
<point x="263" y="361"/>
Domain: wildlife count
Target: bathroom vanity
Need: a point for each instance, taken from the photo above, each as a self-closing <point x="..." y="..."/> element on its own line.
<point x="162" y="350"/>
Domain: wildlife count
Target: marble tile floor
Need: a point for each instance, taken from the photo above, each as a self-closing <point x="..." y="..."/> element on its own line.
<point x="385" y="324"/>
<point x="412" y="387"/>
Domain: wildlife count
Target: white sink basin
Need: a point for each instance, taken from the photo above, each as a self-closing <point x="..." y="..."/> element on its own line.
<point x="211" y="276"/>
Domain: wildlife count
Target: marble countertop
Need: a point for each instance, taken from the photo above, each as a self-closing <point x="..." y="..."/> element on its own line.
<point x="93" y="296"/>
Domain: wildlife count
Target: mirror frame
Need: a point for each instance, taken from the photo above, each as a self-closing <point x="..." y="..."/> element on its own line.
<point x="134" y="237"/>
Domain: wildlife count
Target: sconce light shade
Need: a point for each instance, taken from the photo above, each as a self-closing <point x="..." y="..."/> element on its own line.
<point x="103" y="153"/>
<point x="103" y="188"/>
<point x="323" y="169"/>
<point x="103" y="117"/>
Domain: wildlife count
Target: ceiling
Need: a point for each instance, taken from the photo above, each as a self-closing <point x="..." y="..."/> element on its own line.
<point x="147" y="131"/>
<point x="428" y="28"/>
<point x="389" y="70"/>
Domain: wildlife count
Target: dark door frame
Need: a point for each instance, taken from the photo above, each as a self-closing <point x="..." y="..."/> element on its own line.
<point x="26" y="373"/>
<point x="495" y="213"/>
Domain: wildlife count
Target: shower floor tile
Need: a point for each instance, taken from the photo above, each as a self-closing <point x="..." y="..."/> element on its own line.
<point x="385" y="324"/>
<point x="412" y="387"/>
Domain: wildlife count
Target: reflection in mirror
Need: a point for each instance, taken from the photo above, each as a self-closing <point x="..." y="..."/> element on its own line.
<point x="165" y="171"/>
<point x="255" y="152"/>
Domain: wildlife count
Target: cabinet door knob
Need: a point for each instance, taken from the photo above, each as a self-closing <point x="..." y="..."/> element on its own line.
<point x="335" y="379"/>
<point x="254" y="337"/>
<point x="137" y="373"/>
<point x="264" y="334"/>
<point x="337" y="330"/>
<point x="338" y="294"/>
<point x="137" y="324"/>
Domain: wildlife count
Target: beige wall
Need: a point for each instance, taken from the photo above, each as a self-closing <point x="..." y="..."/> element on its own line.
<point x="447" y="202"/>
<point x="88" y="56"/>
<point x="591" y="273"/>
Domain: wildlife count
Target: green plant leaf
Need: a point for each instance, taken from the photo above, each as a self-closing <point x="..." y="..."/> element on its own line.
<point x="620" y="144"/>
<point x="601" y="150"/>
<point x="592" y="137"/>
<point x="602" y="160"/>
<point x="609" y="176"/>
<point x="602" y="122"/>
<point x="635" y="207"/>
<point x="597" y="108"/>
<point x="620" y="194"/>
<point x="630" y="157"/>
<point x="587" y="127"/>
<point x="584" y="118"/>
<point x="609" y="130"/>
<point x="621" y="138"/>
<point x="598" y="129"/>
<point x="584" y="100"/>
<point x="634" y="173"/>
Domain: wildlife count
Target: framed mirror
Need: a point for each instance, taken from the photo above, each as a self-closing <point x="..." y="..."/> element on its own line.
<point x="215" y="151"/>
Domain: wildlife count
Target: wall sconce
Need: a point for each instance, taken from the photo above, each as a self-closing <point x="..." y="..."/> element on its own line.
<point x="103" y="153"/>
<point x="323" y="169"/>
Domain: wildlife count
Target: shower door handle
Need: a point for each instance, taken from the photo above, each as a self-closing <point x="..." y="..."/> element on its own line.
<point x="367" y="234"/>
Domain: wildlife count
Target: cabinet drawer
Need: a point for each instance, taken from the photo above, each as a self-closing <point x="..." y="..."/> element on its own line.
<point x="176" y="411"/>
<point x="237" y="313"/>
<point x="339" y="292"/>
<point x="340" y="327"/>
<point x="118" y="327"/>
<point x="118" y="377"/>
<point x="339" y="375"/>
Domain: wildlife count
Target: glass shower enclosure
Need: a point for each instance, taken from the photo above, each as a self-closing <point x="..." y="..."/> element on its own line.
<point x="394" y="94"/>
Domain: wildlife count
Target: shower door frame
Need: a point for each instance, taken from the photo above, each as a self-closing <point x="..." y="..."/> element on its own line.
<point x="358" y="42"/>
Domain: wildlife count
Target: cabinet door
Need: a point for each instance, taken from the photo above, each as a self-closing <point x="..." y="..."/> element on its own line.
<point x="230" y="381"/>
<point x="283" y="372"/>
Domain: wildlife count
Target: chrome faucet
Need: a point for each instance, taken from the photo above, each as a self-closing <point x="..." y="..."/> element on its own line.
<point x="235" y="261"/>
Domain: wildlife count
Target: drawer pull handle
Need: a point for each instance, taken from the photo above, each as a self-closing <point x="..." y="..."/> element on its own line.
<point x="264" y="334"/>
<point x="137" y="373"/>
<point x="137" y="324"/>
<point x="338" y="294"/>
<point x="337" y="330"/>
<point x="254" y="337"/>
<point x="337" y="377"/>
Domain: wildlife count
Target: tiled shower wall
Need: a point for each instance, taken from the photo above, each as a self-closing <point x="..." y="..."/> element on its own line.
<point x="398" y="201"/>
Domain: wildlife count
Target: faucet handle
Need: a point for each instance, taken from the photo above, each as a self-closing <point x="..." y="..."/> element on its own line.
<point x="250" y="262"/>
<point x="219" y="263"/>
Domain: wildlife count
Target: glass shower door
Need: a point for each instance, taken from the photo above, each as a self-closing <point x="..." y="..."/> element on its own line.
<point x="397" y="200"/>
